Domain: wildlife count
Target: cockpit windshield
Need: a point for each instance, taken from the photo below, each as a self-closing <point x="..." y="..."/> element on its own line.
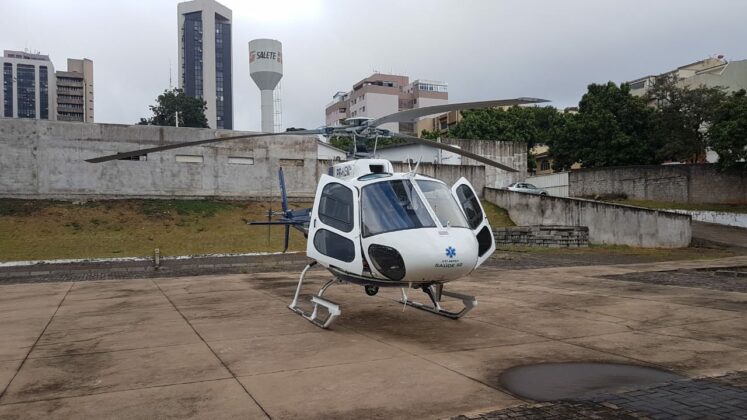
<point x="392" y="205"/>
<point x="443" y="204"/>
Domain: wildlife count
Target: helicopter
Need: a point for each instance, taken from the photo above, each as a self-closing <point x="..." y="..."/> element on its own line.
<point x="374" y="227"/>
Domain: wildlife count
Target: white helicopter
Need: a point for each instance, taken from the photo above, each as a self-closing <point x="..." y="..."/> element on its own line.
<point x="373" y="227"/>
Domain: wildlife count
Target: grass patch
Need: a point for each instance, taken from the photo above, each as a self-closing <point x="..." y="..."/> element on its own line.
<point x="36" y="229"/>
<point x="728" y="208"/>
<point x="497" y="216"/>
<point x="203" y="208"/>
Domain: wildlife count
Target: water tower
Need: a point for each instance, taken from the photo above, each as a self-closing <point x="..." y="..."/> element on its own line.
<point x="266" y="69"/>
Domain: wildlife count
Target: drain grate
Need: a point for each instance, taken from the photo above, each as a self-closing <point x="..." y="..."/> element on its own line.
<point x="557" y="381"/>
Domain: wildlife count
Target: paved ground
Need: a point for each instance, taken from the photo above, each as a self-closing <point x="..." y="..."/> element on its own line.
<point x="226" y="346"/>
<point x="728" y="279"/>
<point x="727" y="236"/>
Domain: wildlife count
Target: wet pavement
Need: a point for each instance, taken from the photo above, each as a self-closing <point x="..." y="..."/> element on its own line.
<point x="226" y="346"/>
<point x="559" y="381"/>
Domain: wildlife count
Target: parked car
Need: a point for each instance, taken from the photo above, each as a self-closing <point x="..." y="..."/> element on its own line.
<point x="526" y="188"/>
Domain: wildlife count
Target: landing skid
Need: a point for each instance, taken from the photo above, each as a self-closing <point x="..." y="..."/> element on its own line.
<point x="332" y="309"/>
<point x="435" y="292"/>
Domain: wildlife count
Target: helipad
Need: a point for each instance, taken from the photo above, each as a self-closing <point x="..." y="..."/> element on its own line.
<point x="228" y="346"/>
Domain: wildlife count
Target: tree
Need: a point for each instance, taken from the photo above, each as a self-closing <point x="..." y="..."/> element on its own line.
<point x="531" y="125"/>
<point x="191" y="110"/>
<point x="682" y="118"/>
<point x="527" y="124"/>
<point x="728" y="130"/>
<point x="612" y="128"/>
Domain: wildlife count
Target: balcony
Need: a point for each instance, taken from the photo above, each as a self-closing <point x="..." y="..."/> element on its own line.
<point x="62" y="99"/>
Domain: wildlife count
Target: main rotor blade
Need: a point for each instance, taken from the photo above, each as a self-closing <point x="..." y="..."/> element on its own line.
<point x="442" y="146"/>
<point x="140" y="152"/>
<point x="411" y="114"/>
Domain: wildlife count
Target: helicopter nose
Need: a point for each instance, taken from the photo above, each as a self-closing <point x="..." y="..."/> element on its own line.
<point x="423" y="255"/>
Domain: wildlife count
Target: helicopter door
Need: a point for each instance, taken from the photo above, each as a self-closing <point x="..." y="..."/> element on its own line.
<point x="476" y="218"/>
<point x="334" y="228"/>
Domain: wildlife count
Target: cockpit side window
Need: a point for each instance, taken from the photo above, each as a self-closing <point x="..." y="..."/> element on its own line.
<point x="392" y="205"/>
<point x="336" y="207"/>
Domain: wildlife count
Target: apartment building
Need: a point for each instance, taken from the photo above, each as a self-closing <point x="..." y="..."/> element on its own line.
<point x="710" y="72"/>
<point x="382" y="94"/>
<point x="75" y="91"/>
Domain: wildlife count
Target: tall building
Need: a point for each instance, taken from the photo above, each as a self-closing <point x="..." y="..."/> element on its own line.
<point x="382" y="94"/>
<point x="75" y="91"/>
<point x="205" y="58"/>
<point x="28" y="86"/>
<point x="711" y="72"/>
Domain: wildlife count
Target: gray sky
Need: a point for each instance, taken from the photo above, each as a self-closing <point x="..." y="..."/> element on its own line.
<point x="483" y="49"/>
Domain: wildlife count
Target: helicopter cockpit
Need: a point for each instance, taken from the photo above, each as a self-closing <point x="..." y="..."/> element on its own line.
<point x="369" y="225"/>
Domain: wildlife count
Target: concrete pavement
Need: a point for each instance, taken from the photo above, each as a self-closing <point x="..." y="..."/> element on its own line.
<point x="227" y="346"/>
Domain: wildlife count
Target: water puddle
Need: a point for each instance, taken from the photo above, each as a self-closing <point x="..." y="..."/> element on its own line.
<point x="556" y="381"/>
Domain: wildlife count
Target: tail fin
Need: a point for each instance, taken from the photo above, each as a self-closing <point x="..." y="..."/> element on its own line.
<point x="283" y="192"/>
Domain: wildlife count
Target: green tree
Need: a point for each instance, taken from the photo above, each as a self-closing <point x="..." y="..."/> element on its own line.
<point x="612" y="128"/>
<point x="728" y="131"/>
<point x="532" y="125"/>
<point x="527" y="124"/>
<point x="682" y="118"/>
<point x="191" y="110"/>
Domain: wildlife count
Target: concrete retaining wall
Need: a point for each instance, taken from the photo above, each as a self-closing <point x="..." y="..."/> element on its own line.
<point x="607" y="223"/>
<point x="43" y="159"/>
<point x="543" y="236"/>
<point x="513" y="154"/>
<point x="47" y="159"/>
<point x="700" y="183"/>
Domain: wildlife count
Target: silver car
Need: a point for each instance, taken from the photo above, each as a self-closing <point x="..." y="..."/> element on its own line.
<point x="526" y="188"/>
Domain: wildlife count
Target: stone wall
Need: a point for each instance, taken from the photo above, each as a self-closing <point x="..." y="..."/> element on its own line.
<point x="700" y="183"/>
<point x="608" y="223"/>
<point x="543" y="236"/>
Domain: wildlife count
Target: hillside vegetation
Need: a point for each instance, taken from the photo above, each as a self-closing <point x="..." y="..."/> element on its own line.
<point x="44" y="229"/>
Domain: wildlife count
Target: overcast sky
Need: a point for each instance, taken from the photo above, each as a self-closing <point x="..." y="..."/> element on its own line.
<point x="483" y="49"/>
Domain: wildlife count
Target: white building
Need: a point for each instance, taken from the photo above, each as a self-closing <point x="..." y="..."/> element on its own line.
<point x="205" y="62"/>
<point x="326" y="151"/>
<point x="383" y="94"/>
<point x="29" y="86"/>
<point x="711" y="72"/>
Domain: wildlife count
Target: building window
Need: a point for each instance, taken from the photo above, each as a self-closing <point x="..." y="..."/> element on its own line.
<point x="8" y="89"/>
<point x="239" y="160"/>
<point x="291" y="162"/>
<point x="189" y="158"/>
<point x="223" y="94"/>
<point x="431" y="87"/>
<point x="43" y="93"/>
<point x="26" y="79"/>
<point x="545" y="165"/>
<point x="192" y="44"/>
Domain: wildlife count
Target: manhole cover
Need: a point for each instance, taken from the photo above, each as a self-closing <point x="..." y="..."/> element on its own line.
<point x="557" y="381"/>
